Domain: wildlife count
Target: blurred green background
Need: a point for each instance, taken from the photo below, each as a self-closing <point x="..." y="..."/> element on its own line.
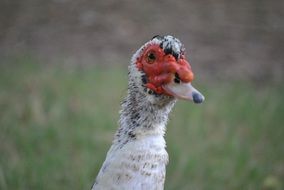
<point x="63" y="74"/>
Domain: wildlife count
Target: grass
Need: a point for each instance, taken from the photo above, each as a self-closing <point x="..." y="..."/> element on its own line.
<point x="56" y="125"/>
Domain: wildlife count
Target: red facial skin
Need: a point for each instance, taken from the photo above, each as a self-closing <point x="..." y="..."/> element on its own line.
<point x="162" y="69"/>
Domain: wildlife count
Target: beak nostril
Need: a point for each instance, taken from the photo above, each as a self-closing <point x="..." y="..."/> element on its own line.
<point x="177" y="79"/>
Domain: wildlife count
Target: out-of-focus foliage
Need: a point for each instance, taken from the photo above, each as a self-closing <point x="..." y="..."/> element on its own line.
<point x="224" y="39"/>
<point x="57" y="123"/>
<point x="63" y="72"/>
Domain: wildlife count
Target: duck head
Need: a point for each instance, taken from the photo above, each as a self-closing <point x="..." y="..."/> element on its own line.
<point x="162" y="69"/>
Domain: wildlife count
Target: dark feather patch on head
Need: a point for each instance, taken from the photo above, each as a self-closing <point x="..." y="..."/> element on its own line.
<point x="176" y="55"/>
<point x="159" y="37"/>
<point x="169" y="50"/>
<point x="170" y="44"/>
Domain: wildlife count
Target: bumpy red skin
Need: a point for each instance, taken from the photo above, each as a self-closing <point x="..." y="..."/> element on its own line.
<point x="162" y="70"/>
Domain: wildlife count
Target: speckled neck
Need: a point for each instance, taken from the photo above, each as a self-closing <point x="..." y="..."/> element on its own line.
<point x="142" y="114"/>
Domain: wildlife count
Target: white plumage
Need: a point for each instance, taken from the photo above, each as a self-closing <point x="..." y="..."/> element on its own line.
<point x="137" y="158"/>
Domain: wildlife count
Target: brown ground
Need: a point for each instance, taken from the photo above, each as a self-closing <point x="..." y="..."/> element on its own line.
<point x="224" y="39"/>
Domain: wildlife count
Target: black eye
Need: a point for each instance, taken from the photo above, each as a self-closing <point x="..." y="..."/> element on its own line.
<point x="151" y="57"/>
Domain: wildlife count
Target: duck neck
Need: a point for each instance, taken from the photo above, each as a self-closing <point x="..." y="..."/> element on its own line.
<point x="142" y="115"/>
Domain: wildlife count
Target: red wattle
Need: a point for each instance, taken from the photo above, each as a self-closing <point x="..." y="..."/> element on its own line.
<point x="163" y="69"/>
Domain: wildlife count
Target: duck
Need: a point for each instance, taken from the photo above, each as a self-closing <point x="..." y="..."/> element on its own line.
<point x="159" y="74"/>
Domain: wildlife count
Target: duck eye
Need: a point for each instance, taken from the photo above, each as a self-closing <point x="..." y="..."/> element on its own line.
<point x="151" y="57"/>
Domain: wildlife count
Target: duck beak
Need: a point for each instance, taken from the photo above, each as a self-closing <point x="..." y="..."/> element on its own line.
<point x="184" y="91"/>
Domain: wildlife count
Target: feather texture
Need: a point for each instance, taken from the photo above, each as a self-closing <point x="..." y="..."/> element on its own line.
<point x="137" y="158"/>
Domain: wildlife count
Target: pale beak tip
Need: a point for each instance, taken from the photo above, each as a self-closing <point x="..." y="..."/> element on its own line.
<point x="197" y="97"/>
